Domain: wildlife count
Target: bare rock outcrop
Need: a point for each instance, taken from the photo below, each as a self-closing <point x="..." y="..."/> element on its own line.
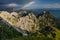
<point x="28" y="22"/>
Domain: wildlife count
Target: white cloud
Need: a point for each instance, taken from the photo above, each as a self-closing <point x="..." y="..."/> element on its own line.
<point x="12" y="5"/>
<point x="28" y="5"/>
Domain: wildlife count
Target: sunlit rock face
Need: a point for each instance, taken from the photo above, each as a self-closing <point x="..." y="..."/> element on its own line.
<point x="15" y="14"/>
<point x="9" y="17"/>
<point x="28" y="22"/>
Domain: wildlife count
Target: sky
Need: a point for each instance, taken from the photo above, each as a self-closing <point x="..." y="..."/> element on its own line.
<point x="29" y="4"/>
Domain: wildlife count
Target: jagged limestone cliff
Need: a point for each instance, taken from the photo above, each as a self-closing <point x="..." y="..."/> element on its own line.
<point x="28" y="22"/>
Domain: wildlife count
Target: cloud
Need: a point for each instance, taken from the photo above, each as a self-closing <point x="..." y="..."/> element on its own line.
<point x="12" y="5"/>
<point x="3" y="2"/>
<point x="28" y="5"/>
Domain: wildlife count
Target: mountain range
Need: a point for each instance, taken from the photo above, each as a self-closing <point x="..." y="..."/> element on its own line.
<point x="27" y="25"/>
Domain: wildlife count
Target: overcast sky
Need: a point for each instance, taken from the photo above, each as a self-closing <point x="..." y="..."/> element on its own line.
<point x="30" y="4"/>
